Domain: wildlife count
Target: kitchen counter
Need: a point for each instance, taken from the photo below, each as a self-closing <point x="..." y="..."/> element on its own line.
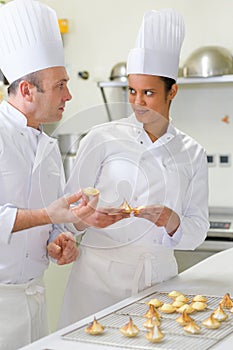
<point x="212" y="276"/>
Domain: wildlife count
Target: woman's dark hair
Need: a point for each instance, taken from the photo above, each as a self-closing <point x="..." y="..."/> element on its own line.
<point x="32" y="78"/>
<point x="168" y="82"/>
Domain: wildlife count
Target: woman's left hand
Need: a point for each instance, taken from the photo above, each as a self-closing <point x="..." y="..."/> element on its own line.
<point x="160" y="216"/>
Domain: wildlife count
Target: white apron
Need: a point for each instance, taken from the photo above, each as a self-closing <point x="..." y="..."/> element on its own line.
<point x="102" y="277"/>
<point x="27" y="319"/>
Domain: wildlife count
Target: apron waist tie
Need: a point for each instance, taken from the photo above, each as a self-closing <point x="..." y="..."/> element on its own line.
<point x="145" y="261"/>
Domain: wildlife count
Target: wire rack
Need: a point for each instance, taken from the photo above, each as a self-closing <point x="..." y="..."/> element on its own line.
<point x="174" y="335"/>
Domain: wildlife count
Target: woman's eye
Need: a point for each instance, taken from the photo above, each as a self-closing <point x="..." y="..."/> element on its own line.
<point x="131" y="91"/>
<point x="148" y="93"/>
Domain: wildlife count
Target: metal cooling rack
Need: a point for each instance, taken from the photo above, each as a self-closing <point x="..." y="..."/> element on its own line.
<point x="174" y="335"/>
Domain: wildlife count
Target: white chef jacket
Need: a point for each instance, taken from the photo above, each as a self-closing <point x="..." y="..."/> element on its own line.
<point x="31" y="176"/>
<point x="120" y="160"/>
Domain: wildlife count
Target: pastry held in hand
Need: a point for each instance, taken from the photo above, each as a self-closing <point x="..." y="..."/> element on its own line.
<point x="90" y="191"/>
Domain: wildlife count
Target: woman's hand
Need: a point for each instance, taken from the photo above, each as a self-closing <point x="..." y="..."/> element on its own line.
<point x="160" y="216"/>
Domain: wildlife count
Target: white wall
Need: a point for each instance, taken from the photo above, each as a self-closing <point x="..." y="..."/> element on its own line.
<point x="102" y="33"/>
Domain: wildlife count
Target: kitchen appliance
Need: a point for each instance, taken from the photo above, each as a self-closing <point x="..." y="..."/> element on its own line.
<point x="219" y="238"/>
<point x="68" y="145"/>
<point x="208" y="61"/>
<point x="118" y="72"/>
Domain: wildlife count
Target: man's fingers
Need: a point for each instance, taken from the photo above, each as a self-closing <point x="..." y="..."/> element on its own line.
<point x="73" y="197"/>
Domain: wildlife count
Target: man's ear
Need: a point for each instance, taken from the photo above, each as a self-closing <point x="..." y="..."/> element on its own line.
<point x="25" y="89"/>
<point x="173" y="91"/>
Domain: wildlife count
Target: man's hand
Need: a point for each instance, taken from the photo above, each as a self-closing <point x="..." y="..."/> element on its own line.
<point x="61" y="210"/>
<point x="160" y="216"/>
<point x="101" y="218"/>
<point x="63" y="248"/>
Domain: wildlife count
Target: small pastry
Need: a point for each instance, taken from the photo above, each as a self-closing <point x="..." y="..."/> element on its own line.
<point x="200" y="298"/>
<point x="178" y="304"/>
<point x="154" y="335"/>
<point x="219" y="314"/>
<point x="151" y="322"/>
<point x="211" y="322"/>
<point x="198" y="305"/>
<point x="155" y="302"/>
<point x="130" y="329"/>
<point x="152" y="312"/>
<point x="90" y="191"/>
<point x="126" y="207"/>
<point x="167" y="308"/>
<point x="188" y="308"/>
<point x="95" y="328"/>
<point x="192" y="328"/>
<point x="182" y="298"/>
<point x="136" y="210"/>
<point x="184" y="319"/>
<point x="226" y="301"/>
<point x="174" y="294"/>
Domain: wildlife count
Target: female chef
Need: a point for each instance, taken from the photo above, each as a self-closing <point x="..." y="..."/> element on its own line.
<point x="156" y="168"/>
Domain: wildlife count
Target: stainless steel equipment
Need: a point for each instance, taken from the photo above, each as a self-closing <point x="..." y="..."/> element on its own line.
<point x="219" y="238"/>
<point x="68" y="145"/>
<point x="208" y="61"/>
<point x="118" y="72"/>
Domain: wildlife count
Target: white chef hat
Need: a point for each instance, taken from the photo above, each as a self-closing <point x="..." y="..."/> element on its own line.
<point x="158" y="45"/>
<point x="30" y="39"/>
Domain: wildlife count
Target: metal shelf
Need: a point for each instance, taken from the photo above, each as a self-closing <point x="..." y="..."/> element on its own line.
<point x="181" y="81"/>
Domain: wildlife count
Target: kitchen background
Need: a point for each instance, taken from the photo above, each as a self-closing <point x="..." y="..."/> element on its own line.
<point x="100" y="34"/>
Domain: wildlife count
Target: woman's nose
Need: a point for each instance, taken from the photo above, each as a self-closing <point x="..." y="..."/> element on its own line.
<point x="139" y="100"/>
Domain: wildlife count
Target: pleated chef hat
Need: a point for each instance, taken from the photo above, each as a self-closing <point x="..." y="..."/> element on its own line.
<point x="158" y="45"/>
<point x="30" y="39"/>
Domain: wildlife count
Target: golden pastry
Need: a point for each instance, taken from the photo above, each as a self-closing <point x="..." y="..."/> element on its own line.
<point x="174" y="294"/>
<point x="226" y="301"/>
<point x="178" y="304"/>
<point x="200" y="298"/>
<point x="182" y="298"/>
<point x="130" y="329"/>
<point x="198" y="305"/>
<point x="184" y="319"/>
<point x="219" y="314"/>
<point x="192" y="328"/>
<point x="188" y="308"/>
<point x="167" y="308"/>
<point x="95" y="328"/>
<point x="126" y="207"/>
<point x="211" y="322"/>
<point x="90" y="191"/>
<point x="154" y="335"/>
<point x="152" y="312"/>
<point x="151" y="322"/>
<point x="136" y="210"/>
<point x="155" y="302"/>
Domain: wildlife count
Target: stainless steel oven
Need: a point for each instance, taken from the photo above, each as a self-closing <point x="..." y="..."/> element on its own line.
<point x="219" y="237"/>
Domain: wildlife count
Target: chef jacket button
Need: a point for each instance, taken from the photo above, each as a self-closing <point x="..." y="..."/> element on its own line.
<point x="27" y="255"/>
<point x="141" y="142"/>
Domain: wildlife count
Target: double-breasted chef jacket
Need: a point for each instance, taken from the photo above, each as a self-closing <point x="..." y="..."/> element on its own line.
<point x="121" y="161"/>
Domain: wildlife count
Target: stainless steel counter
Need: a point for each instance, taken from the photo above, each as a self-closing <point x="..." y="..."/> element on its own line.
<point x="212" y="277"/>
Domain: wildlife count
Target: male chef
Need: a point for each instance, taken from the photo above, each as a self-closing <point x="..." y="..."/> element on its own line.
<point x="31" y="171"/>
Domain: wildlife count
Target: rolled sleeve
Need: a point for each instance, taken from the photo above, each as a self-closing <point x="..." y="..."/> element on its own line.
<point x="7" y="219"/>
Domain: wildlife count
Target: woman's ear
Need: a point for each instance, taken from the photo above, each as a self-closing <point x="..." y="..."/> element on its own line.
<point x="173" y="91"/>
<point x="25" y="89"/>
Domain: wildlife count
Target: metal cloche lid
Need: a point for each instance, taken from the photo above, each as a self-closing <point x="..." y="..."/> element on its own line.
<point x="208" y="61"/>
